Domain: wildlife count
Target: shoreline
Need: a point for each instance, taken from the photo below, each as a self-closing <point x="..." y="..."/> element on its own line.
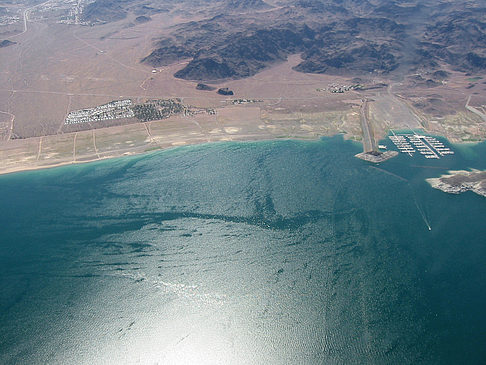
<point x="460" y="181"/>
<point x="62" y="164"/>
<point x="229" y="124"/>
<point x="140" y="152"/>
<point x="46" y="152"/>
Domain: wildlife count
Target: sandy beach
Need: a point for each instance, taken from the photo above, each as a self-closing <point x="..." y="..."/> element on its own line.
<point x="235" y="124"/>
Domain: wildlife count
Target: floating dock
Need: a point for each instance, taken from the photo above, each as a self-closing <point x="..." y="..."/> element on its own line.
<point x="427" y="146"/>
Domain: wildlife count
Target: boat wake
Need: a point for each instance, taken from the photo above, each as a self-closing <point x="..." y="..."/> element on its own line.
<point x="422" y="214"/>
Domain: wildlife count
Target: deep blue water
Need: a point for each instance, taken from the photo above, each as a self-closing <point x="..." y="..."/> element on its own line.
<point x="243" y="253"/>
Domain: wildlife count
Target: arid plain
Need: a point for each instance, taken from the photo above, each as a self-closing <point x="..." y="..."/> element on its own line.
<point x="54" y="69"/>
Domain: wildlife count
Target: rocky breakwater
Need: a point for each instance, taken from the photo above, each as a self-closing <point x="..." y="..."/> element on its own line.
<point x="457" y="182"/>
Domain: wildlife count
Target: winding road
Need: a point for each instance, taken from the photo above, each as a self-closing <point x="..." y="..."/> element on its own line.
<point x="25" y="16"/>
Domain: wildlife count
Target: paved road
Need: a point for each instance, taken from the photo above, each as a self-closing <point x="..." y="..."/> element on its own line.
<point x="368" y="140"/>
<point x="474" y="110"/>
<point x="25" y="15"/>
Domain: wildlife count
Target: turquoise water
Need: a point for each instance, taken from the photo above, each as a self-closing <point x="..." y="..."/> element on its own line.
<point x="243" y="253"/>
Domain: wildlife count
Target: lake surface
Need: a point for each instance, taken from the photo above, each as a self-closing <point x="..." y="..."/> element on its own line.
<point x="279" y="252"/>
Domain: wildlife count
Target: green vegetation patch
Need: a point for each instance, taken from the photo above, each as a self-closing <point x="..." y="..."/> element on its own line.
<point x="158" y="109"/>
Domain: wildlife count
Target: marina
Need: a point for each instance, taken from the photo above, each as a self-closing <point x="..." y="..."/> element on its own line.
<point x="428" y="146"/>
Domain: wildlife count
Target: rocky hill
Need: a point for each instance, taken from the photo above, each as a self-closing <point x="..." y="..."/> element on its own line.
<point x="104" y="11"/>
<point x="238" y="38"/>
<point x="107" y="11"/>
<point x="246" y="5"/>
<point x="6" y="43"/>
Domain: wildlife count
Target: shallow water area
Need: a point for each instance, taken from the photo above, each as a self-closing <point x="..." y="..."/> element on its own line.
<point x="243" y="253"/>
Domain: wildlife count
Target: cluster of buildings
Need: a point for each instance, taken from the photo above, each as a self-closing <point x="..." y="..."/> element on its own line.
<point x="159" y="109"/>
<point x="9" y="17"/>
<point x="73" y="15"/>
<point x="245" y="101"/>
<point x="113" y="110"/>
<point x="62" y="11"/>
<point x="339" y="89"/>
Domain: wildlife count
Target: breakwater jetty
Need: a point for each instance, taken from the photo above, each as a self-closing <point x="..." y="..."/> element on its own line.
<point x="371" y="152"/>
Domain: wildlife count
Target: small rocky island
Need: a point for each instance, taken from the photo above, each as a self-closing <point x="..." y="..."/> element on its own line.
<point x="457" y="182"/>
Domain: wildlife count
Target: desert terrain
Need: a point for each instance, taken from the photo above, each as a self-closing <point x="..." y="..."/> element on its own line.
<point x="58" y="62"/>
